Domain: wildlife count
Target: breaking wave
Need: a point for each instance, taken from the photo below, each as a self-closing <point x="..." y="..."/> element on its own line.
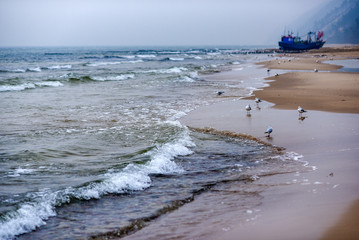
<point x="134" y="177"/>
<point x="24" y="86"/>
<point x="169" y="70"/>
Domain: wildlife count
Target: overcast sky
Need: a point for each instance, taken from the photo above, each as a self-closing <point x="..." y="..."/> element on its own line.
<point x="147" y="22"/>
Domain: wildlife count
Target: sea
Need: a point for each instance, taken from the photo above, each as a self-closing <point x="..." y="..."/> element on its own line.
<point x="92" y="147"/>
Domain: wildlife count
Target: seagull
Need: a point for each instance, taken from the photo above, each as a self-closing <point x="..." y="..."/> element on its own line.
<point x="315" y="70"/>
<point x="248" y="108"/>
<point x="258" y="100"/>
<point x="301" y="110"/>
<point x="269" y="131"/>
<point x="219" y="93"/>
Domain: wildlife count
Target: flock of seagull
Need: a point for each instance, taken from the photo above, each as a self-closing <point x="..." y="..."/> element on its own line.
<point x="258" y="100"/>
<point x="270" y="129"/>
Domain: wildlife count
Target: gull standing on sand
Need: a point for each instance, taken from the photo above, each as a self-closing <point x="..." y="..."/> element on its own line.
<point x="269" y="131"/>
<point x="248" y="108"/>
<point x="301" y="110"/>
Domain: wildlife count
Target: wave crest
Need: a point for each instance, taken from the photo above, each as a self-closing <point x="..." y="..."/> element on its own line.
<point x="134" y="177"/>
<point x="24" y="86"/>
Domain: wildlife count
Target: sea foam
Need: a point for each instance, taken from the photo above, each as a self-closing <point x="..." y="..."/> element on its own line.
<point x="59" y="67"/>
<point x="21" y="87"/>
<point x="169" y="70"/>
<point x="49" y="84"/>
<point x="24" y="86"/>
<point x="146" y="56"/>
<point x="36" y="69"/>
<point x="134" y="177"/>
<point x="114" y="78"/>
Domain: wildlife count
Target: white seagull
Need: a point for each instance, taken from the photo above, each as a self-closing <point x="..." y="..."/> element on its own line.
<point x="301" y="110"/>
<point x="269" y="131"/>
<point x="248" y="108"/>
<point x="258" y="100"/>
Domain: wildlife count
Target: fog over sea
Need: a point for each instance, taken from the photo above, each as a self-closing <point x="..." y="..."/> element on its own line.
<point x="91" y="144"/>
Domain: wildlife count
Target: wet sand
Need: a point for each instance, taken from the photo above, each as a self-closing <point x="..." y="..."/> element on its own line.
<point x="309" y="204"/>
<point x="316" y="206"/>
<point x="306" y="209"/>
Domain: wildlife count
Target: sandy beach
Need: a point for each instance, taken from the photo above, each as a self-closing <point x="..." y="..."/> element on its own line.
<point x="316" y="200"/>
<point x="316" y="204"/>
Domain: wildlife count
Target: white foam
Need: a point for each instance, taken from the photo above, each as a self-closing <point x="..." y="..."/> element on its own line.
<point x="170" y="70"/>
<point x="194" y="74"/>
<point x="191" y="78"/>
<point x="9" y="88"/>
<point x="29" y="216"/>
<point x="36" y="69"/>
<point x="97" y="64"/>
<point x="21" y="87"/>
<point x="16" y="70"/>
<point x="251" y="90"/>
<point x="186" y="79"/>
<point x="146" y="56"/>
<point x="23" y="171"/>
<point x="129" y="57"/>
<point x="59" y="67"/>
<point x="134" y="177"/>
<point x="49" y="84"/>
<point x="213" y="53"/>
<point x="134" y="61"/>
<point x="67" y="75"/>
<point x="291" y="156"/>
<point x="176" y="59"/>
<point x="114" y="78"/>
<point x="161" y="157"/>
<point x="131" y="178"/>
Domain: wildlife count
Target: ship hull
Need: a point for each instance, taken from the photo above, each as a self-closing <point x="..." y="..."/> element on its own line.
<point x="300" y="46"/>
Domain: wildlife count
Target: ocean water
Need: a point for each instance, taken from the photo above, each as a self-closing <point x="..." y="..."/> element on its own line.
<point x="91" y="145"/>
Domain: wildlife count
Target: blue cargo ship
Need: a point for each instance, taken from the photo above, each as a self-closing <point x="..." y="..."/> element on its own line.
<point x="314" y="41"/>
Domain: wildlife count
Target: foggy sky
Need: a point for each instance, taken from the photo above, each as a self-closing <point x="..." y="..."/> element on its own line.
<point x="147" y="22"/>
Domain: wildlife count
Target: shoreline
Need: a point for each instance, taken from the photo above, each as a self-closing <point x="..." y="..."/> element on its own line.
<point x="307" y="210"/>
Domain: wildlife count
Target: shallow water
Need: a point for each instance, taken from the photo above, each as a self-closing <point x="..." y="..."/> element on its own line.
<point x="91" y="145"/>
<point x="349" y="65"/>
<point x="219" y="167"/>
